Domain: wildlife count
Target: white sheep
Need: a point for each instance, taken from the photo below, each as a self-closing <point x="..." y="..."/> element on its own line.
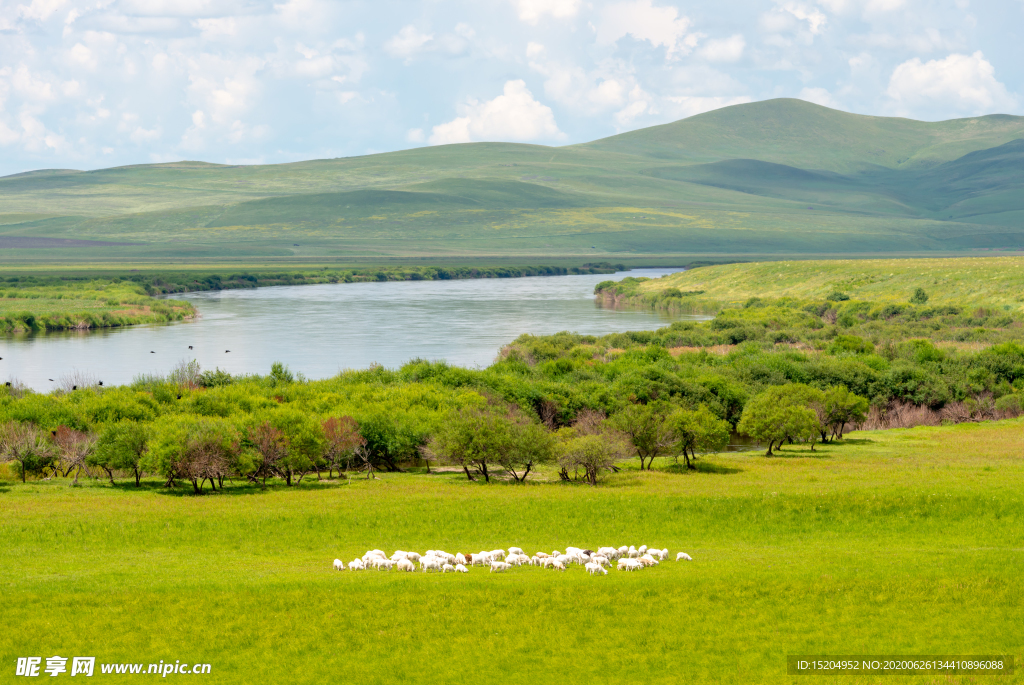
<point x="356" y="565"/>
<point x="595" y="568"/>
<point x="412" y="556"/>
<point x="446" y="568"/>
<point x="648" y="560"/>
<point x="608" y="552"/>
<point x="629" y="564"/>
<point x="642" y="550"/>
<point x="460" y="568"/>
<point x="542" y="555"/>
<point x="379" y="563"/>
<point x="460" y="558"/>
<point x="405" y="565"/>
<point x="683" y="556"/>
<point x="339" y="565"/>
<point x="498" y="554"/>
<point x="623" y="551"/>
<point x="518" y="559"/>
<point x="515" y="550"/>
<point x="599" y="559"/>
<point x="633" y="552"/>
<point x="479" y="559"/>
<point x="557" y="565"/>
<point x="427" y="563"/>
<point x="499" y="566"/>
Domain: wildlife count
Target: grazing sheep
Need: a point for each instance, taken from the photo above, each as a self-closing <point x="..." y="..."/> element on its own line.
<point x="683" y="556"/>
<point x="498" y="554"/>
<point x="479" y="559"/>
<point x="633" y="552"/>
<point x="642" y="550"/>
<point x="398" y="556"/>
<point x="547" y="562"/>
<point x="515" y="550"/>
<point x="572" y="550"/>
<point x="600" y="560"/>
<point x="542" y="555"/>
<point x="460" y="558"/>
<point x="595" y="568"/>
<point x="405" y="565"/>
<point x="499" y="566"/>
<point x="356" y="565"/>
<point x="518" y="559"/>
<point x="557" y="565"/>
<point x="556" y="554"/>
<point x="413" y="557"/>
<point x="609" y="552"/>
<point x="427" y="563"/>
<point x="623" y="551"/>
<point x="564" y="560"/>
<point x="647" y="560"/>
<point x="446" y="568"/>
<point x="339" y="565"/>
<point x="629" y="564"/>
<point x="460" y="568"/>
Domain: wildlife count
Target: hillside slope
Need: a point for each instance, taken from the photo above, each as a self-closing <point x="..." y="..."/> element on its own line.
<point x="774" y="177"/>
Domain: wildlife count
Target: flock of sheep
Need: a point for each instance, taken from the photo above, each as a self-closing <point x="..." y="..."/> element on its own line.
<point x="627" y="558"/>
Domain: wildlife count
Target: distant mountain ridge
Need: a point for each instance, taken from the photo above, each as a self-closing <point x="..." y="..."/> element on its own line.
<point x="779" y="176"/>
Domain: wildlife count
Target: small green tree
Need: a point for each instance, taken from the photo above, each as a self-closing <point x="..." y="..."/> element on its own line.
<point x="841" y="408"/>
<point x="27" y="447"/>
<point x="698" y="432"/>
<point x="648" y="428"/>
<point x="779" y="414"/>
<point x="121" y="446"/>
<point x="919" y="296"/>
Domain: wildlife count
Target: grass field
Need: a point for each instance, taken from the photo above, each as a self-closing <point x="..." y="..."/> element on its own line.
<point x="85" y="304"/>
<point x="902" y="542"/>
<point x="777" y="177"/>
<point x="993" y="281"/>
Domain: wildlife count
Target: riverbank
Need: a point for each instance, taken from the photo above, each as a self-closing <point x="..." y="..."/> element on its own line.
<point x="31" y="303"/>
<point x="27" y="307"/>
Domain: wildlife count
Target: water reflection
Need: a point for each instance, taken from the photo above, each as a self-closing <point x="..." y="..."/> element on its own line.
<point x="318" y="330"/>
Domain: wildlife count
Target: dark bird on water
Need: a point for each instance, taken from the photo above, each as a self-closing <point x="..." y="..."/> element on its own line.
<point x="50" y="379"/>
<point x="152" y="352"/>
<point x="226" y="351"/>
<point x="190" y="347"/>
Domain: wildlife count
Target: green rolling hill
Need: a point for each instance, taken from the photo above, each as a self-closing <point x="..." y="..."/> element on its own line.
<point x="782" y="177"/>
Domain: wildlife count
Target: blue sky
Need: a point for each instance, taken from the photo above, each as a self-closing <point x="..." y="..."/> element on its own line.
<point x="111" y="82"/>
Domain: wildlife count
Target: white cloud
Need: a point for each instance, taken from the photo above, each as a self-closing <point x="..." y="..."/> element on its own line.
<point x="40" y="10"/>
<point x="214" y="28"/>
<point x="531" y="11"/>
<point x="688" y="105"/>
<point x="407" y="42"/>
<point x="724" y="50"/>
<point x="661" y="26"/>
<point x="866" y="8"/>
<point x="513" y="115"/>
<point x="794" y="17"/>
<point x="819" y="96"/>
<point x="415" y="135"/>
<point x="960" y="83"/>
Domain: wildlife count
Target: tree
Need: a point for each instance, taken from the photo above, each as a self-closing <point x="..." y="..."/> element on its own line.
<point x="919" y="296"/>
<point x="121" y="446"/>
<point x="390" y="438"/>
<point x="779" y="414"/>
<point x="74" y="449"/>
<point x="341" y="438"/>
<point x="268" y="446"/>
<point x="648" y="429"/>
<point x="698" y="432"/>
<point x="27" y="447"/>
<point x="304" y="437"/>
<point x="843" y="407"/>
<point x="196" y="449"/>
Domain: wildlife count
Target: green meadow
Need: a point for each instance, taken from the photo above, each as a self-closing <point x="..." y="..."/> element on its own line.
<point x="989" y="282"/>
<point x="774" y="178"/>
<point x="897" y="542"/>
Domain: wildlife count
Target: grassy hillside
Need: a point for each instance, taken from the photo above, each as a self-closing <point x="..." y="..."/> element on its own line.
<point x="781" y="177"/>
<point x="990" y="282"/>
<point x="899" y="542"/>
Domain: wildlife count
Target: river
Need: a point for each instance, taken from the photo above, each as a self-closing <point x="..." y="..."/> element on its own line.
<point x="319" y="330"/>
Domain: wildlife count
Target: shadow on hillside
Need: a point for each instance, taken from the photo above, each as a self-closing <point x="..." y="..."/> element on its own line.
<point x="790" y="452"/>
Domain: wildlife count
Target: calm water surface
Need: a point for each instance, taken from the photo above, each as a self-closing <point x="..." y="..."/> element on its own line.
<point x="319" y="330"/>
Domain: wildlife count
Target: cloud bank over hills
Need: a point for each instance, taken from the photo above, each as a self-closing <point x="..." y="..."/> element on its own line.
<point x="108" y="82"/>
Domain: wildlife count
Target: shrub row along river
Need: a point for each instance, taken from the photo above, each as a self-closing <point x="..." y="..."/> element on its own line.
<point x="319" y="330"/>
